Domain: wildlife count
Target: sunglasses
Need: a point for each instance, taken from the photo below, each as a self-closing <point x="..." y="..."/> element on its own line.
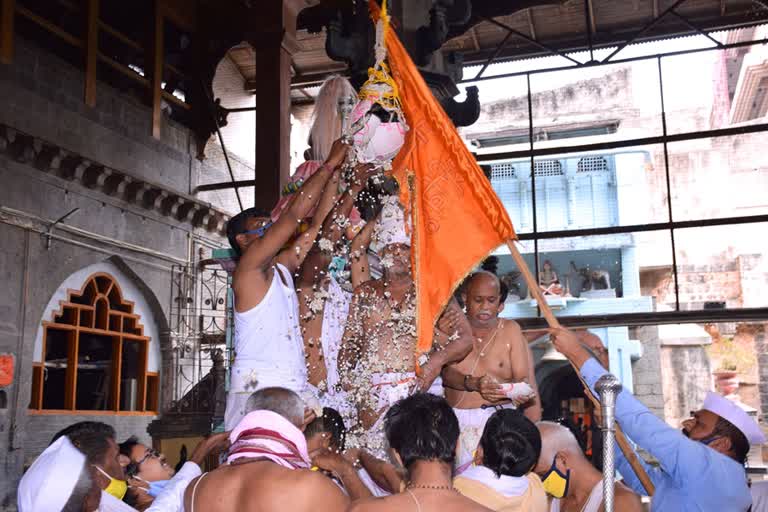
<point x="258" y="231"/>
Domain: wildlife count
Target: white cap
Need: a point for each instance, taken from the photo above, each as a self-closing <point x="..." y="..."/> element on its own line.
<point x="730" y="410"/>
<point x="49" y="482"/>
<point x="391" y="226"/>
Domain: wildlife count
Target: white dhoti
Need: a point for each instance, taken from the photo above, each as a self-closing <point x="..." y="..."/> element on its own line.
<point x="334" y="322"/>
<point x="471" y="425"/>
<point x="386" y="390"/>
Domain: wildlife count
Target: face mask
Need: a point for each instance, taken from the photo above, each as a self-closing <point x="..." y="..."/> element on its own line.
<point x="706" y="441"/>
<point x="337" y="266"/>
<point x="116" y="488"/>
<point x="155" y="487"/>
<point x="555" y="483"/>
<point x="259" y="232"/>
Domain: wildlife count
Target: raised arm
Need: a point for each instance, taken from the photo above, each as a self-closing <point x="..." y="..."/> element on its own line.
<point x="345" y="471"/>
<point x="352" y="343"/>
<point x="294" y="255"/>
<point x="331" y="226"/>
<point x="259" y="254"/>
<point x="386" y="475"/>
<point x="336" y="222"/>
<point x="358" y="250"/>
<point x="457" y="347"/>
<point x="668" y="445"/>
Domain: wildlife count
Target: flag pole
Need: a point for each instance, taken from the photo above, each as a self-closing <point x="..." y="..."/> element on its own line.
<point x="533" y="287"/>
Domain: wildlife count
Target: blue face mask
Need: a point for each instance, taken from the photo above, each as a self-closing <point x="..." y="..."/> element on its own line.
<point x="337" y="266"/>
<point x="155" y="488"/>
<point x="259" y="231"/>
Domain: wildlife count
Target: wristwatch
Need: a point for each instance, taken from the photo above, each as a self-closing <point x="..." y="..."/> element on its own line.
<point x="466" y="382"/>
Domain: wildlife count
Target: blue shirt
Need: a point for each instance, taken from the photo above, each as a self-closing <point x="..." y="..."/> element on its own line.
<point x="692" y="476"/>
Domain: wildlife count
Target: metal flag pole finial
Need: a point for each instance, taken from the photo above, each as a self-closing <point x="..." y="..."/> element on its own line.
<point x="608" y="387"/>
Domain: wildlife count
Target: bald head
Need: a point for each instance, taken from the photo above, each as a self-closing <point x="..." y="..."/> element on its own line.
<point x="282" y="401"/>
<point x="556" y="439"/>
<point x="483" y="278"/>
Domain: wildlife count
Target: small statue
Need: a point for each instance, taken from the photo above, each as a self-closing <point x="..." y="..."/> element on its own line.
<point x="511" y="280"/>
<point x="592" y="279"/>
<point x="548" y="280"/>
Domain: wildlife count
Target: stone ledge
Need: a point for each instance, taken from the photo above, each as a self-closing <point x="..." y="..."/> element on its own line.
<point x="56" y="161"/>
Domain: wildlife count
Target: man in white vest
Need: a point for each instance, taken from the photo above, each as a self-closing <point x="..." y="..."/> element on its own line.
<point x="269" y="348"/>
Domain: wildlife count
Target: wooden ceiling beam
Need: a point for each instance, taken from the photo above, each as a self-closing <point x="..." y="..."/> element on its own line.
<point x="531" y="24"/>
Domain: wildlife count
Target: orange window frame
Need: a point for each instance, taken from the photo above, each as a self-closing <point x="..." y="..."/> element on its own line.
<point x="97" y="308"/>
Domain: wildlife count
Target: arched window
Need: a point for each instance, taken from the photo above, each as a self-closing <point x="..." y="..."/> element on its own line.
<point x="94" y="355"/>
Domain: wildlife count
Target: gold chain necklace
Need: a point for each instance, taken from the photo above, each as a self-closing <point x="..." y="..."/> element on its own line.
<point x="432" y="487"/>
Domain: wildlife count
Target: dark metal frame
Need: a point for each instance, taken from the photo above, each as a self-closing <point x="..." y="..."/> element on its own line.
<point x="670" y="225"/>
<point x="590" y="32"/>
<point x="309" y="80"/>
<point x="739" y="44"/>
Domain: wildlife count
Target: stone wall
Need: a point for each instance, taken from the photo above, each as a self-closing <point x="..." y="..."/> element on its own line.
<point x="686" y="378"/>
<point x="43" y="97"/>
<point x="647" y="370"/>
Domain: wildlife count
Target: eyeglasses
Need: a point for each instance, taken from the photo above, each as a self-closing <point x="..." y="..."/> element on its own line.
<point x="151" y="452"/>
<point x="258" y="231"/>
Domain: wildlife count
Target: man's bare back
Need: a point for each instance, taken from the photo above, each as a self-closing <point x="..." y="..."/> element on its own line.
<point x="423" y="500"/>
<point x="263" y="486"/>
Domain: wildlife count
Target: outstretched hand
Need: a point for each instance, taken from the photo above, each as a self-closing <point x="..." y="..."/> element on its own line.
<point x="567" y="343"/>
<point x="211" y="444"/>
<point x="337" y="154"/>
<point x="330" y="460"/>
<point x="595" y="344"/>
<point x="361" y="175"/>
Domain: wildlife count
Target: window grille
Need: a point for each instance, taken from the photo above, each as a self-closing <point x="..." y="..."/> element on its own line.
<point x="548" y="168"/>
<point x="592" y="164"/>
<point x="502" y="171"/>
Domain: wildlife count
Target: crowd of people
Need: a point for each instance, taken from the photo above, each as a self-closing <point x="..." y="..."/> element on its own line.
<point x="329" y="408"/>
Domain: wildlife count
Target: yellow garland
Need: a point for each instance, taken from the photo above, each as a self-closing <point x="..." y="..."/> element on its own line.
<point x="379" y="75"/>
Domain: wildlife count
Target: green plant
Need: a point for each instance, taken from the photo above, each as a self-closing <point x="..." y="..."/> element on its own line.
<point x="731" y="356"/>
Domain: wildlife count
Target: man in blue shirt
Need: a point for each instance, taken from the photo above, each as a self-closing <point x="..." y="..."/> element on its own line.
<point x="702" y="467"/>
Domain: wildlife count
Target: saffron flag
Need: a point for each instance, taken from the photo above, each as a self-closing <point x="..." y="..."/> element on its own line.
<point x="457" y="217"/>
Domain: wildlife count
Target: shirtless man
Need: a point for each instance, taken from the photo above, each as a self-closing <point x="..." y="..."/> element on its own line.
<point x="376" y="361"/>
<point x="500" y="354"/>
<point x="269" y="349"/>
<point x="268" y="464"/>
<point x="323" y="304"/>
<point x="572" y="481"/>
<point x="422" y="431"/>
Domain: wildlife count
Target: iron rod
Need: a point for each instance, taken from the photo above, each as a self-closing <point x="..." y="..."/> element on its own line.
<point x="495" y="54"/>
<point x="667" y="174"/>
<point x="642" y="141"/>
<point x="533" y="41"/>
<point x="739" y="44"/>
<point x="697" y="29"/>
<point x="608" y="387"/>
<point x="644" y="29"/>
<point x="212" y="111"/>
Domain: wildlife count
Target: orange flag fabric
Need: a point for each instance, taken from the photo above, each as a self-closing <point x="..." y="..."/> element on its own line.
<point x="457" y="217"/>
